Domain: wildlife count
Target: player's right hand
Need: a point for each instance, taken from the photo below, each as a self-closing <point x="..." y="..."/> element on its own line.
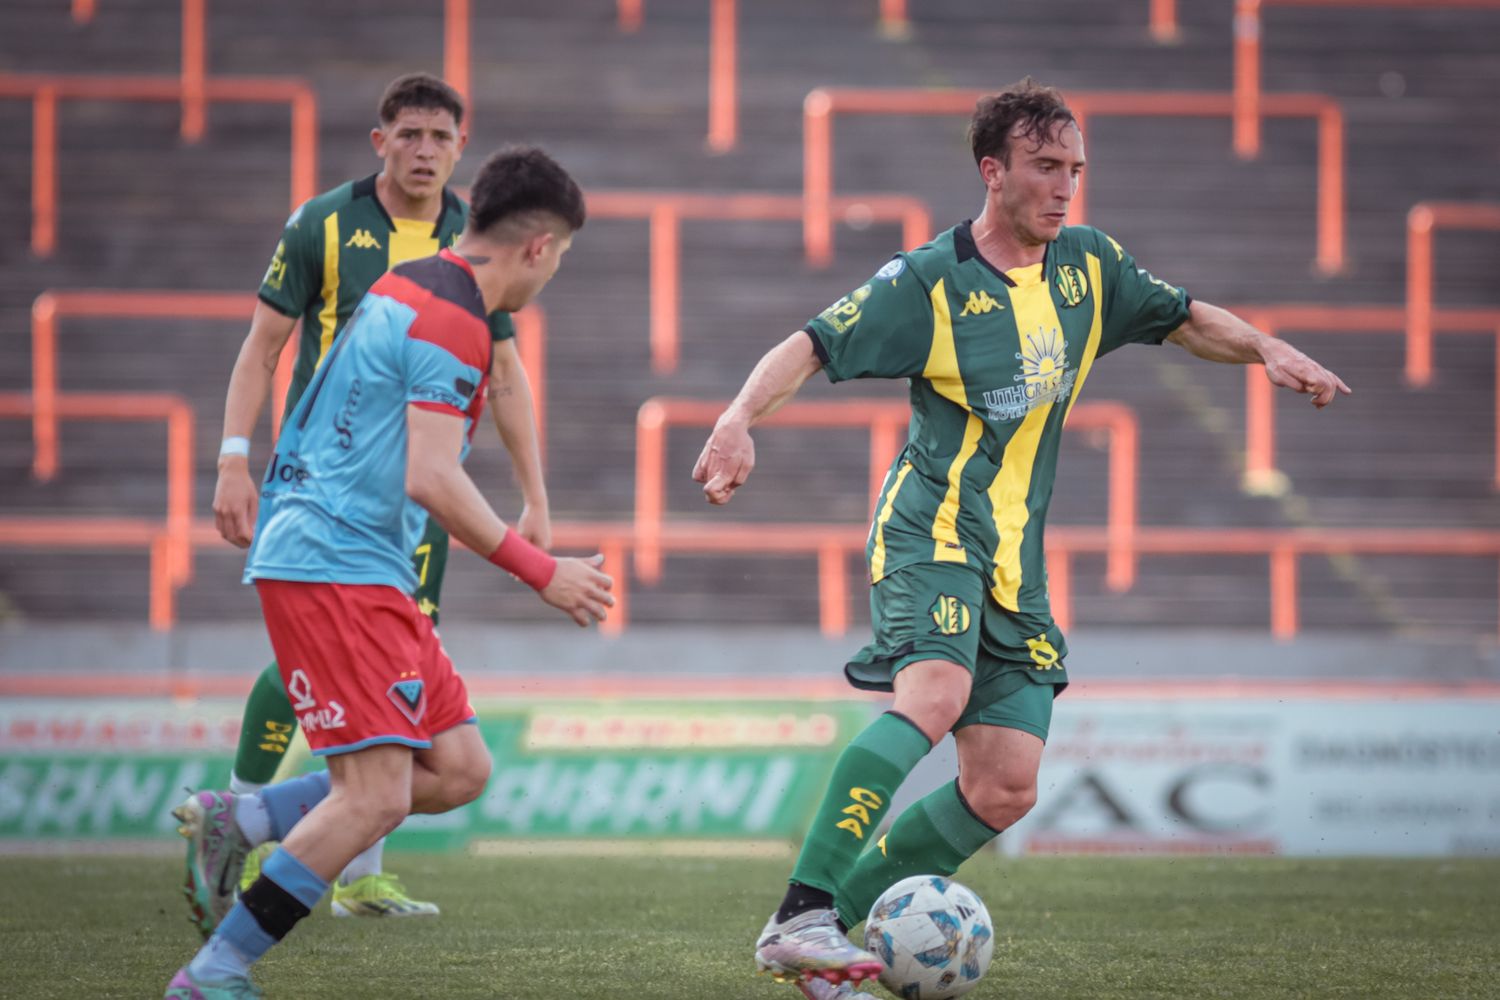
<point x="725" y="462"/>
<point x="236" y="501"/>
<point x="580" y="590"/>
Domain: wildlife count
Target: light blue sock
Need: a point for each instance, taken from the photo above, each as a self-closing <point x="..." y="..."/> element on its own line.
<point x="288" y="801"/>
<point x="240" y="940"/>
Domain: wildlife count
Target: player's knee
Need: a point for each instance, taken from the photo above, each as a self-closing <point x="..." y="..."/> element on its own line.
<point x="1000" y="803"/>
<point x="383" y="810"/>
<point x="934" y="709"/>
<point x="469" y="781"/>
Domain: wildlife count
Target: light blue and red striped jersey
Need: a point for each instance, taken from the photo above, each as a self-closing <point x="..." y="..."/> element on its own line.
<point x="333" y="505"/>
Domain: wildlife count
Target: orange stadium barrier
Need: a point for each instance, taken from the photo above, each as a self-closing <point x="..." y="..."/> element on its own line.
<point x="1261" y="474"/>
<point x="177" y="547"/>
<point x="723" y="61"/>
<point x="46" y="91"/>
<point x="667" y="209"/>
<point x="194" y="61"/>
<point x="1249" y="104"/>
<point x="886" y="421"/>
<point x="1421" y="222"/>
<point x="822" y="104"/>
<point x="50" y="306"/>
<point x="1164" y="20"/>
<point x="456" y="50"/>
<point x="1282" y="547"/>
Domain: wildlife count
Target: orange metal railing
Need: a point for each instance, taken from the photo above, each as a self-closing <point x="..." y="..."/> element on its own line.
<point x="456" y="50"/>
<point x="134" y="407"/>
<point x="1164" y="20"/>
<point x="723" y="63"/>
<point x="52" y="306"/>
<point x="1261" y="474"/>
<point x="667" y="209"/>
<point x="1249" y="102"/>
<point x="822" y="104"/>
<point x="886" y="421"/>
<point x="45" y="91"/>
<point x="1283" y="548"/>
<point x="194" y="61"/>
<point x="1421" y="222"/>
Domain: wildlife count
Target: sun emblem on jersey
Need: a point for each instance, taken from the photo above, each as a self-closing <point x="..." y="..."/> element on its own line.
<point x="1044" y="376"/>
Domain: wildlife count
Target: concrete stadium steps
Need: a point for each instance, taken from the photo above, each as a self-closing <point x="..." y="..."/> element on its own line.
<point x="630" y="111"/>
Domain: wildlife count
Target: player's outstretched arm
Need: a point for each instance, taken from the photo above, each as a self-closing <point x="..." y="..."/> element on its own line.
<point x="435" y="478"/>
<point x="515" y="418"/>
<point x="1218" y="335"/>
<point x="729" y="454"/>
<point x="235" y="494"/>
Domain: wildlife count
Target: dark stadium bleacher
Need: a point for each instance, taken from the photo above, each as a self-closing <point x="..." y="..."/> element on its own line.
<point x="141" y="209"/>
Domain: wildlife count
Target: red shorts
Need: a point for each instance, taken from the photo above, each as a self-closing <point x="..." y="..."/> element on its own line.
<point x="362" y="666"/>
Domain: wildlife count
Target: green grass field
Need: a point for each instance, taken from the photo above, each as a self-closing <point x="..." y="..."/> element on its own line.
<point x="651" y="927"/>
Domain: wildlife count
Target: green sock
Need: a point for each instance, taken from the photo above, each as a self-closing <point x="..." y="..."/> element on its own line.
<point x="266" y="729"/>
<point x="932" y="837"/>
<point x="867" y="773"/>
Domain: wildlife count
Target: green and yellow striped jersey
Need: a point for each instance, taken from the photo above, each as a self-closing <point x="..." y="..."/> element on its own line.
<point x="995" y="362"/>
<point x="332" y="250"/>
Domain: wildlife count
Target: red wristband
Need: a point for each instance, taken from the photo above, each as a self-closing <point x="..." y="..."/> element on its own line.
<point x="524" y="561"/>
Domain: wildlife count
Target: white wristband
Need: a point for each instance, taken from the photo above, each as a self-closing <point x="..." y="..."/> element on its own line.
<point x="235" y="446"/>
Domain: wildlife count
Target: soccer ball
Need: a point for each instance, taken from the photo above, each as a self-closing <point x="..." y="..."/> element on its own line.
<point x="934" y="936"/>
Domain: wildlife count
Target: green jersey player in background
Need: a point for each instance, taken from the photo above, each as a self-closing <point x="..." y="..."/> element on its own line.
<point x="333" y="249"/>
<point x="996" y="323"/>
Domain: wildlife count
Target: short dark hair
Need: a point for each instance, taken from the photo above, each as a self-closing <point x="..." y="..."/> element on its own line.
<point x="422" y="91"/>
<point x="516" y="187"/>
<point x="1039" y="110"/>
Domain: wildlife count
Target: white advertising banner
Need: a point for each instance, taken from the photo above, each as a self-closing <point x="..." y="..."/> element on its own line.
<point x="1300" y="775"/>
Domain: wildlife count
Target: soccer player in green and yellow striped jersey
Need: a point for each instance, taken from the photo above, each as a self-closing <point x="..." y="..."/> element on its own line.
<point x="996" y="324"/>
<point x="332" y="250"/>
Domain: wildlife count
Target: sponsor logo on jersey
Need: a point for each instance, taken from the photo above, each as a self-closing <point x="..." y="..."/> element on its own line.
<point x="276" y="273"/>
<point x="363" y="239"/>
<point x="343" y="421"/>
<point x="1071" y="285"/>
<point x="844" y="313"/>
<point x="950" y="616"/>
<point x="891" y="270"/>
<point x="1044" y="377"/>
<point x="1176" y="292"/>
<point x="980" y="303"/>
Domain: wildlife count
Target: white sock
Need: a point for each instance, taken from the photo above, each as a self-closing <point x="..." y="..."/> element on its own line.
<point x="366" y="862"/>
<point x="240" y="786"/>
<point x="251" y="817"/>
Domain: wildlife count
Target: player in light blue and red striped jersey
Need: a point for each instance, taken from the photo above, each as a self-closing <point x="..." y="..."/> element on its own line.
<point x="374" y="446"/>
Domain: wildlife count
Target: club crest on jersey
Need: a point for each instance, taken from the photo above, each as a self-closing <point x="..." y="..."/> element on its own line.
<point x="410" y="697"/>
<point x="1044" y="376"/>
<point x="1071" y="285"/>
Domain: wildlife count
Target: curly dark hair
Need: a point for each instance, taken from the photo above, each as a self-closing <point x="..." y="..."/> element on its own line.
<point x="422" y="91"/>
<point x="1040" y="111"/>
<point x="518" y="185"/>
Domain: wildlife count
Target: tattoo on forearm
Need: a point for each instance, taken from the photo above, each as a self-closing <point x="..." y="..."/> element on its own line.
<point x="501" y="390"/>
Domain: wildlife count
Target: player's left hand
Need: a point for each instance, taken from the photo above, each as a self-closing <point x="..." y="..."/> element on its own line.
<point x="725" y="462"/>
<point x="535" y="525"/>
<point x="1291" y="369"/>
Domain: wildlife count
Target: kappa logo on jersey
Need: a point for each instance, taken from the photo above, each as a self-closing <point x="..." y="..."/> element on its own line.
<point x="950" y="616"/>
<point x="1071" y="285"/>
<point x="980" y="303"/>
<point x="363" y="239"/>
<point x="408" y="695"/>
<point x="1044" y="377"/>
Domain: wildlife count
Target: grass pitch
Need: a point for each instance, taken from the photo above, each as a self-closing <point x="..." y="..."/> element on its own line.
<point x="620" y="928"/>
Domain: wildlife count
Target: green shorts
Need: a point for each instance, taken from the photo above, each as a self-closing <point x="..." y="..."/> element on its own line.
<point x="944" y="611"/>
<point x="429" y="561"/>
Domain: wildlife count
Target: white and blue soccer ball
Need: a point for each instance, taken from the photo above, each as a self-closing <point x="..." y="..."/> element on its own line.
<point x="934" y="936"/>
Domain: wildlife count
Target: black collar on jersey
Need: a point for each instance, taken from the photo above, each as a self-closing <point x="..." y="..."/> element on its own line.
<point x="965" y="248"/>
<point x="365" y="188"/>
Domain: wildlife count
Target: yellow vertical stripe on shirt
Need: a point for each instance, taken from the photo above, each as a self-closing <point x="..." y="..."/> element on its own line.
<point x="328" y="317"/>
<point x="1096" y="328"/>
<point x="1035" y="315"/>
<point x="877" y="557"/>
<point x="942" y="373"/>
<point x="412" y="238"/>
